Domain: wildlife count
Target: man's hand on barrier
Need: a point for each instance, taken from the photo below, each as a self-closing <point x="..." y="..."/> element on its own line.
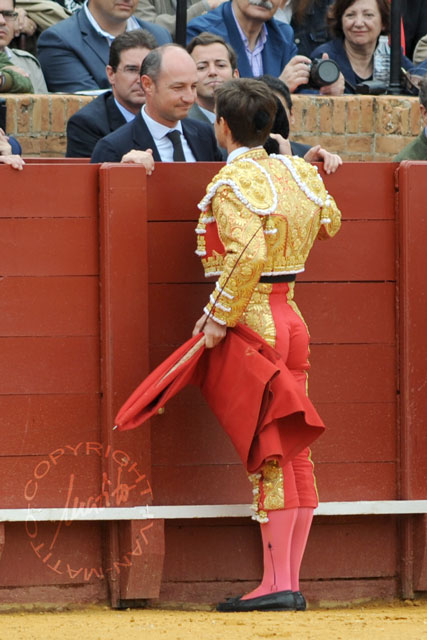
<point x="331" y="161"/>
<point x="16" y="162"/>
<point x="145" y="158"/>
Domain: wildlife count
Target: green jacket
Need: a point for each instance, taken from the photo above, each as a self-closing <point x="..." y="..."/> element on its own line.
<point x="14" y="82"/>
<point x="415" y="150"/>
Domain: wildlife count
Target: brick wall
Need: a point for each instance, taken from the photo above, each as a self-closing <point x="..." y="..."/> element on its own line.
<point x="357" y="127"/>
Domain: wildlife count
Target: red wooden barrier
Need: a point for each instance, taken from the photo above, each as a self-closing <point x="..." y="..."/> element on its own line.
<point x="89" y="304"/>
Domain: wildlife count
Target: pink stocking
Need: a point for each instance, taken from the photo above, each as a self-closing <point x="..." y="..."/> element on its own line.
<point x="277" y="535"/>
<point x="299" y="541"/>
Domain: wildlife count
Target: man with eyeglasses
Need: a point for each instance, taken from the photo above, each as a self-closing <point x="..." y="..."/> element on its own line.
<point x="74" y="53"/>
<point x="116" y="107"/>
<point x="20" y="72"/>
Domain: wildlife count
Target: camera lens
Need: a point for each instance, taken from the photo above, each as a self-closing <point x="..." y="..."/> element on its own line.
<point x="323" y="72"/>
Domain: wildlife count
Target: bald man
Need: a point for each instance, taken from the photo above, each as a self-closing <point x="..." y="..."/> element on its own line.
<point x="169" y="79"/>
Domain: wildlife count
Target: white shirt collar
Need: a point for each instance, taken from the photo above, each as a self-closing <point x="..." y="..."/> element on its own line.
<point x="131" y="24"/>
<point x="209" y="114"/>
<point x="157" y="129"/>
<point x="238" y="152"/>
<point x="128" y="115"/>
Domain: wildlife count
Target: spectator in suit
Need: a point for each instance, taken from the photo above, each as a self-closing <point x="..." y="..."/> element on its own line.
<point x="26" y="68"/>
<point x="159" y="132"/>
<point x="116" y="107"/>
<point x="74" y="53"/>
<point x="163" y="12"/>
<point x="262" y="44"/>
<point x="216" y="63"/>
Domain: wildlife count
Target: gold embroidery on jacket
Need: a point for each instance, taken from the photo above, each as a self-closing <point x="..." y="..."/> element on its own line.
<point x="276" y="243"/>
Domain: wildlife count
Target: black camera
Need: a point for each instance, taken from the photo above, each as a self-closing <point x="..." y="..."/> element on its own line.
<point x="323" y="72"/>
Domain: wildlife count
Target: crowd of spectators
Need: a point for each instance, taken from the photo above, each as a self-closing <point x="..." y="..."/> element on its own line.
<point x="98" y="46"/>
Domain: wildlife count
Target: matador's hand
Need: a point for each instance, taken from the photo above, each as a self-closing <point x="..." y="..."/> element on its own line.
<point x="213" y="331"/>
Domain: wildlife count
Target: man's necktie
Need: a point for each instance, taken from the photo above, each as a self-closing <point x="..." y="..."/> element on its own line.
<point x="178" y="151"/>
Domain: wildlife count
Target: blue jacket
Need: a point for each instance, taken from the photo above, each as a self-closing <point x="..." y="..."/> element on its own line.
<point x="73" y="55"/>
<point x="335" y="50"/>
<point x="278" y="49"/>
<point x="16" y="147"/>
<point x="312" y="31"/>
<point x="135" y="135"/>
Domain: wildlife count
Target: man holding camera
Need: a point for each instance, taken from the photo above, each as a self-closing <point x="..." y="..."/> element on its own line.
<point x="263" y="45"/>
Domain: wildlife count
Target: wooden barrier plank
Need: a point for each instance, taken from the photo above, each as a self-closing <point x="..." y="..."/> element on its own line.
<point x="75" y="558"/>
<point x="43" y="481"/>
<point x="200" y="484"/>
<point x="227" y="483"/>
<point x="349" y="185"/>
<point x="239" y="546"/>
<point x="48" y="247"/>
<point x="40" y="306"/>
<point x="352" y="373"/>
<point x="30" y="193"/>
<point x="357" y="432"/>
<point x="370" y="243"/>
<point x="49" y="365"/>
<point x="413" y="225"/>
<point x="188" y="433"/>
<point x="40" y="424"/>
<point x="356" y="481"/>
<point x="163" y="204"/>
<point x="356" y="312"/>
<point x="124" y="336"/>
<point x="363" y="250"/>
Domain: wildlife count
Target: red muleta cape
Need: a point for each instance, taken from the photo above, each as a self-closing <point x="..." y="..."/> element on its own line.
<point x="248" y="387"/>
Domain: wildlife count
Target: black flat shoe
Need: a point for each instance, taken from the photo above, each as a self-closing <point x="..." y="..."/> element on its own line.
<point x="278" y="601"/>
<point x="300" y="602"/>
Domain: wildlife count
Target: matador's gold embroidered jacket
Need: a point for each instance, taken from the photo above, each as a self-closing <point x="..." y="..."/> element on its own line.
<point x="260" y="216"/>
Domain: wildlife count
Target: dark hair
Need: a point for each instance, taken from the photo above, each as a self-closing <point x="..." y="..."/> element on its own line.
<point x="130" y="40"/>
<point x="152" y="63"/>
<point x="247" y="108"/>
<point x="278" y="86"/>
<point x="423" y="91"/>
<point x="204" y="39"/>
<point x="299" y="9"/>
<point x="339" y="7"/>
<point x="280" y="125"/>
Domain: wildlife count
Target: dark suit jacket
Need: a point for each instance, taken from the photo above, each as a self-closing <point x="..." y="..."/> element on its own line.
<point x="414" y="14"/>
<point x="96" y="120"/>
<point x="278" y="49"/>
<point x="73" y="55"/>
<point x="135" y="135"/>
<point x="299" y="149"/>
<point x="196" y="113"/>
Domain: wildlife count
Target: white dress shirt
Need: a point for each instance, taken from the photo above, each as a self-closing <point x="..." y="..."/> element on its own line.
<point x="163" y="144"/>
